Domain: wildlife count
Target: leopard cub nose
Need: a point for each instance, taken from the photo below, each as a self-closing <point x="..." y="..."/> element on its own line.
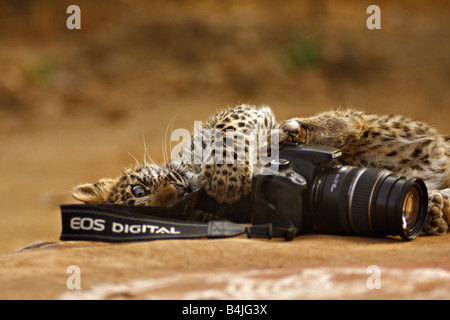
<point x="180" y="189"/>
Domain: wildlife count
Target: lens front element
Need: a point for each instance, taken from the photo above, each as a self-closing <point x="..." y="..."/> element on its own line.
<point x="411" y="208"/>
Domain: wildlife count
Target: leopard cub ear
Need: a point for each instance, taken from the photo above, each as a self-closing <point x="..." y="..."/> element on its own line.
<point x="93" y="193"/>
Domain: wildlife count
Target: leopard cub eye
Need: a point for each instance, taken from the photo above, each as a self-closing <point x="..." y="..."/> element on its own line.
<point x="139" y="191"/>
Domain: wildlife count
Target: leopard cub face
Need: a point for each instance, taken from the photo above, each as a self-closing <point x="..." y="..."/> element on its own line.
<point x="147" y="185"/>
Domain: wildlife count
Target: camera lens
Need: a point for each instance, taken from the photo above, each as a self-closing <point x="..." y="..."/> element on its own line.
<point x="368" y="202"/>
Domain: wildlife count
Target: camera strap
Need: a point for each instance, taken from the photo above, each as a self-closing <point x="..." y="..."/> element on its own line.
<point x="182" y="220"/>
<point x="121" y="224"/>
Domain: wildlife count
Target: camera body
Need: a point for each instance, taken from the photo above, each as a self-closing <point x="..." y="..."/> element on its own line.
<point x="309" y="189"/>
<point x="281" y="196"/>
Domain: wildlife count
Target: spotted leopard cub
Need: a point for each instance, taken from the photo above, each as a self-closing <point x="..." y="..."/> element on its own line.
<point x="407" y="147"/>
<point x="224" y="169"/>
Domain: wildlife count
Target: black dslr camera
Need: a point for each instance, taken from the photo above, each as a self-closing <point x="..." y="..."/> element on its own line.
<point x="311" y="190"/>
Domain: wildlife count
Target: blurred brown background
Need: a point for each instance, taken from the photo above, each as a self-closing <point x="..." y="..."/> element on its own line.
<point x="75" y="103"/>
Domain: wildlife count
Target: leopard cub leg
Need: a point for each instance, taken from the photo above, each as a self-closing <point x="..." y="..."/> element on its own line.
<point x="438" y="217"/>
<point x="227" y="182"/>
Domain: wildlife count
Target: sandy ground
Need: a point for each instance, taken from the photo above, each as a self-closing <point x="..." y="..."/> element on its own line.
<point x="311" y="267"/>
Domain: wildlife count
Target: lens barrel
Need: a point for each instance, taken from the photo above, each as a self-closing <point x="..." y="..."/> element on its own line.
<point x="368" y="202"/>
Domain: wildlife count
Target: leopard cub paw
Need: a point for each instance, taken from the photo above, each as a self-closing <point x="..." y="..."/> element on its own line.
<point x="438" y="217"/>
<point x="293" y="130"/>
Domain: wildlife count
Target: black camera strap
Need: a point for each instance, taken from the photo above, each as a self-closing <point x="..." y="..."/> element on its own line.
<point x="122" y="224"/>
<point x="182" y="220"/>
